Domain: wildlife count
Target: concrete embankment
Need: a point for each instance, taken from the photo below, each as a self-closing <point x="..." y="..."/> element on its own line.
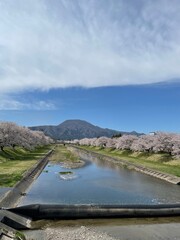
<point x="11" y="198"/>
<point x="10" y="222"/>
<point x="164" y="176"/>
<point x="13" y="220"/>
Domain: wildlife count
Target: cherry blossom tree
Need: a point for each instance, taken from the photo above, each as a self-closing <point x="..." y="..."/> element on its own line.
<point x="84" y="141"/>
<point x="176" y="146"/>
<point x="111" y="143"/>
<point x="163" y="142"/>
<point x="92" y="141"/>
<point x="160" y="142"/>
<point x="8" y="134"/>
<point x="101" y="141"/>
<point x="125" y="142"/>
<point x="143" y="143"/>
<point x="12" y="135"/>
<point x="75" y="141"/>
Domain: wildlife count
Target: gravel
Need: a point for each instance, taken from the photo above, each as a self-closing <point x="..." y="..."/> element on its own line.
<point x="81" y="233"/>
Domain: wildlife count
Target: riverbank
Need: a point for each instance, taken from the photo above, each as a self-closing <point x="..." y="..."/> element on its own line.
<point x="159" y="162"/>
<point x="133" y="232"/>
<point x="131" y="165"/>
<point x="14" y="163"/>
<point x="13" y="196"/>
<point x="80" y="233"/>
<point x="129" y="229"/>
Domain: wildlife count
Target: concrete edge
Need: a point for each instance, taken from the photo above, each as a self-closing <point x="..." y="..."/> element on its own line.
<point x="15" y="221"/>
<point x="11" y="198"/>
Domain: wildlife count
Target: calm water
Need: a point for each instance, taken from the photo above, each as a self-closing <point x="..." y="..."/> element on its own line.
<point x="99" y="182"/>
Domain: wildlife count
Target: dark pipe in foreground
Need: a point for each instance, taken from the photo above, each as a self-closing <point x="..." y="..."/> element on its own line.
<point x="47" y="211"/>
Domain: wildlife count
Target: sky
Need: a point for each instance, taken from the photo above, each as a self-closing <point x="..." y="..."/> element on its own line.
<point x="112" y="63"/>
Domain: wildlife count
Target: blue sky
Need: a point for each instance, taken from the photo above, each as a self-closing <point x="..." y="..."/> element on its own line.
<point x="112" y="63"/>
<point x="141" y="108"/>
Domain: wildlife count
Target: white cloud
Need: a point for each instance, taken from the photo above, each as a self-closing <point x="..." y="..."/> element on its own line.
<point x="8" y="103"/>
<point x="63" y="43"/>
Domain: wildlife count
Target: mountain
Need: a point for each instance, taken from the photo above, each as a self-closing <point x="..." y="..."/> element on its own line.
<point x="77" y="129"/>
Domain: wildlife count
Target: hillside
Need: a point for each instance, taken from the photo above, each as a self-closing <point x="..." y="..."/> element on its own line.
<point x="76" y="129"/>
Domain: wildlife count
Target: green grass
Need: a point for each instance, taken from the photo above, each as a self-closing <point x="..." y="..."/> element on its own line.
<point x="20" y="236"/>
<point x="160" y="162"/>
<point x="14" y="163"/>
<point x="62" y="154"/>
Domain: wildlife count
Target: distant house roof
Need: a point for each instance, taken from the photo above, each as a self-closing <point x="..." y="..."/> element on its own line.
<point x="152" y="133"/>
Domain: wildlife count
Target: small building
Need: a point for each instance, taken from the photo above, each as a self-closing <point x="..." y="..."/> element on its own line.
<point x="152" y="133"/>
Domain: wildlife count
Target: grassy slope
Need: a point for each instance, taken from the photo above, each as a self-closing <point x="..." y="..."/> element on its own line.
<point x="160" y="162"/>
<point x="13" y="163"/>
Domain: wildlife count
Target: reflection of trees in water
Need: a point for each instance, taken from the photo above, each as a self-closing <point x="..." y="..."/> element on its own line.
<point x="101" y="161"/>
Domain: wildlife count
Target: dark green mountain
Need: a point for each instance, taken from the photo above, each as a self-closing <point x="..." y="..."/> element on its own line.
<point x="76" y="129"/>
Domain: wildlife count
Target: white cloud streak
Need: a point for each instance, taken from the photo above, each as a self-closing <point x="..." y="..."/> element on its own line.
<point x="63" y="43"/>
<point x="11" y="103"/>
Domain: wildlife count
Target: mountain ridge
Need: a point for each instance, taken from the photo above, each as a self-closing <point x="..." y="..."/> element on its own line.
<point x="77" y="129"/>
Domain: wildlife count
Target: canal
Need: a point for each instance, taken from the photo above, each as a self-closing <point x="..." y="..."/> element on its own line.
<point x="98" y="182"/>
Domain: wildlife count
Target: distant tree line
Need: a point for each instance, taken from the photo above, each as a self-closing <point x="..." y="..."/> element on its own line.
<point x="12" y="135"/>
<point x="160" y="142"/>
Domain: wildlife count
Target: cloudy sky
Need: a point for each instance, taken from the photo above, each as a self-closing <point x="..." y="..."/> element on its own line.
<point x="88" y="59"/>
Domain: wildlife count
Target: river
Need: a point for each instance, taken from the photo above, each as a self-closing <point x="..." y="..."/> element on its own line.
<point x="99" y="182"/>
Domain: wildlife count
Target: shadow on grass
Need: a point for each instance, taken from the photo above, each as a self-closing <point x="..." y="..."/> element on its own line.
<point x="23" y="154"/>
<point x="9" y="180"/>
<point x="6" y="155"/>
<point x="11" y="163"/>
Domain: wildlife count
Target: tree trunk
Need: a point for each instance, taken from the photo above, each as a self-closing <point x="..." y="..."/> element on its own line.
<point x="2" y="148"/>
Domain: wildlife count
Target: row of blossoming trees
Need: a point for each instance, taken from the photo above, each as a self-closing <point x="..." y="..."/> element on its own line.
<point x="159" y="143"/>
<point x="12" y="135"/>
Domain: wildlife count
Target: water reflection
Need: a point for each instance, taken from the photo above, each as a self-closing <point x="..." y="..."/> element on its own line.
<point x="100" y="182"/>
